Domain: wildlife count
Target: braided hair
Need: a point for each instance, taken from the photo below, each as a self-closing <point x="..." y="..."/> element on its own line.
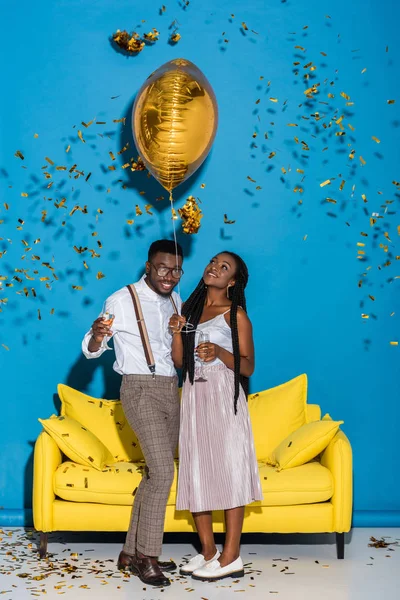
<point x="193" y="309"/>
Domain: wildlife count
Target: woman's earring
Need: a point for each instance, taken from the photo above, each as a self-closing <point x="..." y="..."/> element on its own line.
<point x="227" y="291"/>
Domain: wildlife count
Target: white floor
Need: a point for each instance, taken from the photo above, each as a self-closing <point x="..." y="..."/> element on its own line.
<point x="80" y="569"/>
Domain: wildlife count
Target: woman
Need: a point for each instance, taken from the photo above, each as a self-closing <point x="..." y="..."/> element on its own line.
<point x="217" y="465"/>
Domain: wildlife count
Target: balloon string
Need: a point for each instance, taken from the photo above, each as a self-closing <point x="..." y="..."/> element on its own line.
<point x="171" y="199"/>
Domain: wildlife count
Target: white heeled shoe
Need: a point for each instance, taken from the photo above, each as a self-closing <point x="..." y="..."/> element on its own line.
<point x="213" y="570"/>
<point x="197" y="562"/>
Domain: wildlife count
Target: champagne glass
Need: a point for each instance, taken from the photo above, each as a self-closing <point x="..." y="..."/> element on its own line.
<point x="108" y="319"/>
<point x="203" y="339"/>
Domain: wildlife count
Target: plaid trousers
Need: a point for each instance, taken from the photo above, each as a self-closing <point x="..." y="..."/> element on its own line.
<point x="151" y="406"/>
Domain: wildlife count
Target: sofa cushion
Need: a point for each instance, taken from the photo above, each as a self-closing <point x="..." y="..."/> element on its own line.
<point x="116" y="485"/>
<point x="313" y="413"/>
<point x="277" y="412"/>
<point x="304" y="444"/>
<point x="77" y="442"/>
<point x="105" y="418"/>
<point x="306" y="484"/>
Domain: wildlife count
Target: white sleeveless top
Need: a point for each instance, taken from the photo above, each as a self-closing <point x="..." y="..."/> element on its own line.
<point x="219" y="332"/>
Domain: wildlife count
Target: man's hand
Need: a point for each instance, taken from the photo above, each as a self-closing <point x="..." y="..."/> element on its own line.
<point x="100" y="329"/>
<point x="176" y="323"/>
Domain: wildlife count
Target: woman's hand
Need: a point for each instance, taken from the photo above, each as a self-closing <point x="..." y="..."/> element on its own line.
<point x="176" y="323"/>
<point x="207" y="352"/>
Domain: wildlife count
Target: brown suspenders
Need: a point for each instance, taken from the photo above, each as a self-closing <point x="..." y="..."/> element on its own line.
<point x="144" y="336"/>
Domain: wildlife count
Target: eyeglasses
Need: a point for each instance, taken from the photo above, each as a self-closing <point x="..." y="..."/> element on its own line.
<point x="176" y="272"/>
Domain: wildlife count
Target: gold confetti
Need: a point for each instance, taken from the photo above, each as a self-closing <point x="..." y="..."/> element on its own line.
<point x="324" y="183"/>
<point x="394" y="343"/>
<point x="147" y="209"/>
<point x="382" y="543"/>
<point x="378" y="141"/>
<point x="77" y="287"/>
<point x="6" y="347"/>
<point x="391" y="101"/>
<point x="191" y="215"/>
<point x="24" y="195"/>
<point x="80" y="136"/>
<point x="130" y="221"/>
<point x="137" y="165"/>
<point x="152" y="36"/>
<point x="129" y="42"/>
<point x="274" y="99"/>
<point x="175" y="37"/>
<point x="362" y="161"/>
<point x="227" y="221"/>
<point x="100" y="275"/>
<point x="80" y="250"/>
<point x="19" y="154"/>
<point x="68" y="148"/>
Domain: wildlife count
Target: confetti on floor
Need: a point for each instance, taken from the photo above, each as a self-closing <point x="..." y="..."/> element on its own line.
<point x="79" y="568"/>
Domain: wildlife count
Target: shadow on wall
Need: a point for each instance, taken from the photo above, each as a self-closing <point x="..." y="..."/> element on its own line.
<point x="82" y="373"/>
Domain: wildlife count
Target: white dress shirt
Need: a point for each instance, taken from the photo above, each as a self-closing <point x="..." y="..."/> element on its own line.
<point x="129" y="353"/>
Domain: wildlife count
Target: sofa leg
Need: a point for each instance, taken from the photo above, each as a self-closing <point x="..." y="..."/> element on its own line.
<point x="340" y="545"/>
<point x="43" y="544"/>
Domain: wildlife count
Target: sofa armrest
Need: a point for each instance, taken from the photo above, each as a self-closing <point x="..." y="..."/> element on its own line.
<point x="338" y="458"/>
<point x="47" y="458"/>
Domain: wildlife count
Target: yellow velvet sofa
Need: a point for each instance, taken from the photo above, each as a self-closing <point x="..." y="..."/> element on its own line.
<point x="315" y="497"/>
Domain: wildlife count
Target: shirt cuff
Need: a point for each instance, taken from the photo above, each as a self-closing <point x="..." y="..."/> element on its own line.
<point x="85" y="347"/>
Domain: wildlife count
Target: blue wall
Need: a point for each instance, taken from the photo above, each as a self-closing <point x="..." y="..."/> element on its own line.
<point x="303" y="297"/>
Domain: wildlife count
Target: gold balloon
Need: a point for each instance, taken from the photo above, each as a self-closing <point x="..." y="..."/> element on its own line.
<point x="174" y="121"/>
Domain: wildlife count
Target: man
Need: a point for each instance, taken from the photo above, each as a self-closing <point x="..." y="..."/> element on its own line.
<point x="150" y="402"/>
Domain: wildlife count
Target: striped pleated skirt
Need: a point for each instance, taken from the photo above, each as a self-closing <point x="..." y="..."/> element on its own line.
<point x="217" y="461"/>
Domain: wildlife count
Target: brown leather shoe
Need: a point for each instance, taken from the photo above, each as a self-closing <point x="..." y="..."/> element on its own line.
<point x="145" y="567"/>
<point x="167" y="566"/>
<point x="124" y="562"/>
